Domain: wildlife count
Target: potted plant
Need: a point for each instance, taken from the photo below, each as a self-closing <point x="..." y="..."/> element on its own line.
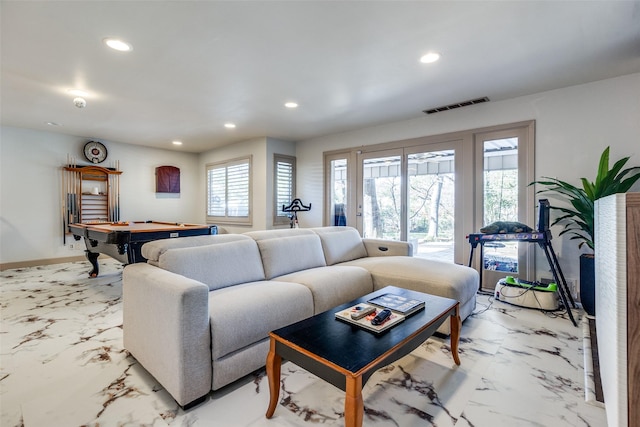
<point x="579" y="217"/>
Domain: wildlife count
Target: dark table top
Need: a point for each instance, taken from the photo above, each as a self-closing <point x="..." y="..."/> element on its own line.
<point x="353" y="348"/>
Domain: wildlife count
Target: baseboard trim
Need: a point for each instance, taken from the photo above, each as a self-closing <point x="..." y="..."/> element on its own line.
<point x="596" y="361"/>
<point x="37" y="262"/>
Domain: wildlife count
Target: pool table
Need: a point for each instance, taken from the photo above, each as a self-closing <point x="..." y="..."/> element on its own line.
<point x="123" y="240"/>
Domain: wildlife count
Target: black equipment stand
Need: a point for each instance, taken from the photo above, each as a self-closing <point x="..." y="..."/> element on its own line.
<point x="542" y="238"/>
<point x="295" y="206"/>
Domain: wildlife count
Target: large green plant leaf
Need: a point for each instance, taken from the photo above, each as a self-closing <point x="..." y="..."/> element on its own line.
<point x="603" y="168"/>
<point x="578" y="219"/>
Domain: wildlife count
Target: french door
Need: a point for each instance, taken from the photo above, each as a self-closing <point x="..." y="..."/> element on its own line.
<point x="409" y="194"/>
<point x="504" y="165"/>
<point x="379" y="195"/>
<point x="434" y="191"/>
<point x="433" y="218"/>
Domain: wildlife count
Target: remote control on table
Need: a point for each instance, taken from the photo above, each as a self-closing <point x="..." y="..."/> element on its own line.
<point x="360" y="311"/>
<point x="381" y="317"/>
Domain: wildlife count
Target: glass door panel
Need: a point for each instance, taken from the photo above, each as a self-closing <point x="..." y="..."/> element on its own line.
<point x="431" y="209"/>
<point x="339" y="187"/>
<point x="500" y="177"/>
<point x="505" y="175"/>
<point x="380" y="200"/>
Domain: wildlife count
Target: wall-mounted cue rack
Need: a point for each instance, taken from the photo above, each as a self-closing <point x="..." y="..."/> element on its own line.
<point x="90" y="194"/>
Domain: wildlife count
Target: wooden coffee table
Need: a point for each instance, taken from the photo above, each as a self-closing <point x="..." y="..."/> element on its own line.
<point x="346" y="355"/>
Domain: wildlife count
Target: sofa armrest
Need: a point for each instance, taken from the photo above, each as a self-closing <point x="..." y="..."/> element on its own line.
<point x="385" y="247"/>
<point x="166" y="328"/>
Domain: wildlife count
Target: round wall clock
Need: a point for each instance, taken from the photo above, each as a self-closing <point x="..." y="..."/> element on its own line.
<point x="95" y="151"/>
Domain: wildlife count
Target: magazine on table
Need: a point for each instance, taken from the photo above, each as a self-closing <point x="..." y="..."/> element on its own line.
<point x="397" y="303"/>
<point x="365" y="322"/>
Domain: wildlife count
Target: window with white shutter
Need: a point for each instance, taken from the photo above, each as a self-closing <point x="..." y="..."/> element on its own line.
<point x="284" y="185"/>
<point x="229" y="191"/>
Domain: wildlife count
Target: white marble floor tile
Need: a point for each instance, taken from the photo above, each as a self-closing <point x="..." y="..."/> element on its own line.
<point x="62" y="363"/>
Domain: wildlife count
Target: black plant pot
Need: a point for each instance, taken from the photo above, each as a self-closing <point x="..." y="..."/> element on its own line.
<point x="588" y="283"/>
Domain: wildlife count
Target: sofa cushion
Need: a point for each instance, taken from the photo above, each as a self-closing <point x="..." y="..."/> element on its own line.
<point x="277" y="233"/>
<point x="332" y="286"/>
<point x="340" y="244"/>
<point x="152" y="250"/>
<point x="218" y="265"/>
<point x="238" y="364"/>
<point x="244" y="314"/>
<point x="423" y="275"/>
<point x="288" y="254"/>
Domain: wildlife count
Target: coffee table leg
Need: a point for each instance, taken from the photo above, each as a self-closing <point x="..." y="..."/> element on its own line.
<point x="274" y="362"/>
<point x="353" y="403"/>
<point x="456" y="324"/>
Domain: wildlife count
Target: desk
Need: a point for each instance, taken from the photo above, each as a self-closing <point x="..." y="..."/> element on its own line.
<point x="123" y="241"/>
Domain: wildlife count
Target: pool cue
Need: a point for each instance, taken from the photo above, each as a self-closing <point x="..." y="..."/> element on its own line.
<point x="62" y="208"/>
<point x="112" y="211"/>
<point x="117" y="195"/>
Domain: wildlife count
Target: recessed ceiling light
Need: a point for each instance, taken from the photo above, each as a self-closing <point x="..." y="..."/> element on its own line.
<point x="119" y="45"/>
<point x="229" y="125"/>
<point x="176" y="142"/>
<point x="53" y="124"/>
<point x="291" y="105"/>
<point x="430" y="57"/>
<point x="77" y="92"/>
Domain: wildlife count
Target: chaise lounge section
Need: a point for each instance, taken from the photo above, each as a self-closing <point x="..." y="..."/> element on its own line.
<point x="198" y="313"/>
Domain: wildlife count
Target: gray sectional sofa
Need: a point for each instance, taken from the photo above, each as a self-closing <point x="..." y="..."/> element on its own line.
<point x="198" y="313"/>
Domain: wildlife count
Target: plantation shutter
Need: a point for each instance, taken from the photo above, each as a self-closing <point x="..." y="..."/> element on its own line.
<point x="284" y="185"/>
<point x="228" y="191"/>
<point x="238" y="190"/>
<point x="217" y="184"/>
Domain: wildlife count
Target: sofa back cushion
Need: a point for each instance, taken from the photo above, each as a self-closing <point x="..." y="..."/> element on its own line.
<point x="284" y="255"/>
<point x="217" y="266"/>
<point x="152" y="250"/>
<point x="277" y="233"/>
<point x="340" y="244"/>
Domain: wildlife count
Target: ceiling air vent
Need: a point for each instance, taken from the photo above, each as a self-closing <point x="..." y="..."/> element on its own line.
<point x="458" y="105"/>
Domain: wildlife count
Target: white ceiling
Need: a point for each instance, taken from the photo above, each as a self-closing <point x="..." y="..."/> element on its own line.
<point x="196" y="65"/>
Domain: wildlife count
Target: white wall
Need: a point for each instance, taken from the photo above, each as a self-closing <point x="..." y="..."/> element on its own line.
<point x="30" y="199"/>
<point x="573" y="126"/>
